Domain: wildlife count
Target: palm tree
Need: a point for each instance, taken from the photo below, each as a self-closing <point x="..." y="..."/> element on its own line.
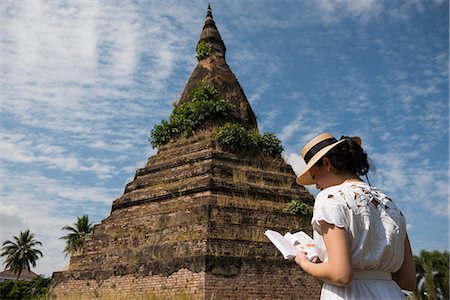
<point x="78" y="234"/>
<point x="432" y="269"/>
<point x="426" y="259"/>
<point x="20" y="253"/>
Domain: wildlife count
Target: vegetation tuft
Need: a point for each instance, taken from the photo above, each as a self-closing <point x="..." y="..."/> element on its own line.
<point x="203" y="50"/>
<point x="205" y="104"/>
<point x="235" y="137"/>
<point x="298" y="207"/>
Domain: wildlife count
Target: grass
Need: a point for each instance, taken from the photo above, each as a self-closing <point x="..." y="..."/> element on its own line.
<point x="251" y="202"/>
<point x="240" y="178"/>
<point x="174" y="295"/>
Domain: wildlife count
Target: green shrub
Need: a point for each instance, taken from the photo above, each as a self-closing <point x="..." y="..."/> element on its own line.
<point x="269" y="143"/>
<point x="188" y="116"/>
<point x="203" y="50"/>
<point x="161" y="134"/>
<point x="205" y="104"/>
<point x="298" y="207"/>
<point x="235" y="137"/>
<point x="203" y="91"/>
<point x="18" y="289"/>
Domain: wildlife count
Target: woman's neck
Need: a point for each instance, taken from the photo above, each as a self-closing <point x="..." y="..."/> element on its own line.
<point x="348" y="177"/>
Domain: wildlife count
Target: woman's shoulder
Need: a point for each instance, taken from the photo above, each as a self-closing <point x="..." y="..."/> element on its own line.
<point x="344" y="194"/>
<point x="332" y="196"/>
<point x="342" y="190"/>
<point x="332" y="206"/>
<point x="358" y="191"/>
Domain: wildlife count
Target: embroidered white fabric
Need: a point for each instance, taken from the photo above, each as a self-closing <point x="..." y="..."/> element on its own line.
<point x="376" y="230"/>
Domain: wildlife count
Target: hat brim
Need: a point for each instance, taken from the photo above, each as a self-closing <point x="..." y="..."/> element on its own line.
<point x="305" y="178"/>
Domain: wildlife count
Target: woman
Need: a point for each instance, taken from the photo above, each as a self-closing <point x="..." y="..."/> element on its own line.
<point x="359" y="233"/>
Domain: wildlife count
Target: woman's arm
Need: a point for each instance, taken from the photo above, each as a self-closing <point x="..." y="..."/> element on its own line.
<point x="406" y="275"/>
<point x="338" y="269"/>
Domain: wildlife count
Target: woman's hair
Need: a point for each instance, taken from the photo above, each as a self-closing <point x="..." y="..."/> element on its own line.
<point x="349" y="156"/>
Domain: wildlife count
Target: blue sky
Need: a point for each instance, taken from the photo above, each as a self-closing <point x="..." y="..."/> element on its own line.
<point x="84" y="82"/>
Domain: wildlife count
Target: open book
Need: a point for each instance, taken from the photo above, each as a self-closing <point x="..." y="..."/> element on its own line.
<point x="292" y="243"/>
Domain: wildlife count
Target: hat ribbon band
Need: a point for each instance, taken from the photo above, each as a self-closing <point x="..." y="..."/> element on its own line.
<point x="317" y="147"/>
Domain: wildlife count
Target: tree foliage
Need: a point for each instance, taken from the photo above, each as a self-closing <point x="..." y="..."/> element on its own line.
<point x="79" y="233"/>
<point x="36" y="289"/>
<point x="432" y="269"/>
<point x="27" y="290"/>
<point x="21" y="252"/>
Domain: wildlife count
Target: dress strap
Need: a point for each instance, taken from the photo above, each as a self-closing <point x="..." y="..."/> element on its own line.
<point x="371" y="274"/>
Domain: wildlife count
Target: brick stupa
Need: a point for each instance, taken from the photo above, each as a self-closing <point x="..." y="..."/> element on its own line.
<point x="191" y="223"/>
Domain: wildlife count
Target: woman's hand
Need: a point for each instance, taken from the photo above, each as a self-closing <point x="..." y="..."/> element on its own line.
<point x="316" y="260"/>
<point x="300" y="258"/>
<point x="338" y="268"/>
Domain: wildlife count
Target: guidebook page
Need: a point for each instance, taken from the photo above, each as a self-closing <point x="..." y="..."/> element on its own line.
<point x="302" y="242"/>
<point x="286" y="248"/>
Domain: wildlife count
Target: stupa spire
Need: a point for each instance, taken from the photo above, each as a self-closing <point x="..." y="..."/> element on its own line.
<point x="209" y="13"/>
<point x="211" y="35"/>
<point x="213" y="67"/>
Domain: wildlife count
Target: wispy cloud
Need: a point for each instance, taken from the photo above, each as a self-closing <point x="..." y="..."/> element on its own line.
<point x="333" y="10"/>
<point x="79" y="82"/>
<point x="21" y="149"/>
<point x="83" y="83"/>
<point x="44" y="205"/>
<point x="306" y="124"/>
<point x="422" y="186"/>
<point x="405" y="10"/>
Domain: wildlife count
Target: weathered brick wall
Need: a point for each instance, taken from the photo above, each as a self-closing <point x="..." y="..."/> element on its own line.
<point x="183" y="283"/>
<point x="247" y="279"/>
<point x="136" y="235"/>
<point x="184" y="218"/>
<point x="263" y="279"/>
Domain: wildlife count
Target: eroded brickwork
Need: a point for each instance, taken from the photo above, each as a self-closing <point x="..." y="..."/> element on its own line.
<point x="183" y="283"/>
<point x="263" y="279"/>
<point x="238" y="279"/>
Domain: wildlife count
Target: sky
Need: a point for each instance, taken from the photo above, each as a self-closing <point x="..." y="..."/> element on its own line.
<point x="84" y="82"/>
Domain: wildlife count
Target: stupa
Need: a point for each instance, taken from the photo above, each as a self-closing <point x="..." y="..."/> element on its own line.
<point x="191" y="223"/>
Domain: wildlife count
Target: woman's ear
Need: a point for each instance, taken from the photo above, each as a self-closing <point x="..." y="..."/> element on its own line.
<point x="327" y="163"/>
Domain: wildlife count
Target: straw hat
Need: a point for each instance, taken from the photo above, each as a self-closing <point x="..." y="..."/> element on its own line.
<point x="314" y="150"/>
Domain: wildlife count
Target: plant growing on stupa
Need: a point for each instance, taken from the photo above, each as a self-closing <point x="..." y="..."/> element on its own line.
<point x="203" y="50"/>
<point x="298" y="207"/>
<point x="235" y="137"/>
<point x="205" y="104"/>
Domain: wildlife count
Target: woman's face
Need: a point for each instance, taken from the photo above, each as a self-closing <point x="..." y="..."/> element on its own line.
<point x="322" y="175"/>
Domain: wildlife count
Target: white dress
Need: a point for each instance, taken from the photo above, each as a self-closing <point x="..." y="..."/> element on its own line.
<point x="376" y="230"/>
